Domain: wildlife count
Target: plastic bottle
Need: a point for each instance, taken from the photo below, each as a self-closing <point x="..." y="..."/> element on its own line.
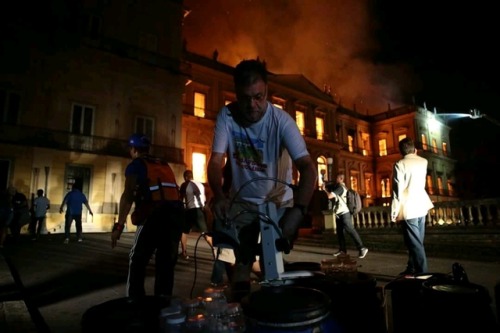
<point x="175" y="323"/>
<point x="167" y="312"/>
<point x="197" y="324"/>
<point x="236" y="322"/>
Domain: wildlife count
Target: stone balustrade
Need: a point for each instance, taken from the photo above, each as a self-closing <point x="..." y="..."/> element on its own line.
<point x="478" y="212"/>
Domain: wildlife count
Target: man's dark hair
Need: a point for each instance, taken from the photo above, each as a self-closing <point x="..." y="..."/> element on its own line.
<point x="247" y="71"/>
<point x="406" y="146"/>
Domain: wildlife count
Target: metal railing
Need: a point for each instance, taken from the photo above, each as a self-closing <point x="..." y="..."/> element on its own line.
<point x="62" y="140"/>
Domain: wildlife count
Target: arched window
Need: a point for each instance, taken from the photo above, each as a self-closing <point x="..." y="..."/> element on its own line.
<point x="322" y="170"/>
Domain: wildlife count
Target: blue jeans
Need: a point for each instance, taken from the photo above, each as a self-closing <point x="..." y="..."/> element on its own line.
<point x="413" y="234"/>
<point x="344" y="225"/>
<point x="78" y="224"/>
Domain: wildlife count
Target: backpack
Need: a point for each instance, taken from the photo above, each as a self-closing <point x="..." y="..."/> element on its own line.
<point x="160" y="188"/>
<point x="353" y="201"/>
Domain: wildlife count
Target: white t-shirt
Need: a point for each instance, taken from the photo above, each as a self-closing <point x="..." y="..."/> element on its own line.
<point x="41" y="204"/>
<point x="190" y="200"/>
<point x="264" y="149"/>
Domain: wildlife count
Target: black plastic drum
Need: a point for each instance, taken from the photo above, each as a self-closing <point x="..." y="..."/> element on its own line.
<point x="355" y="303"/>
<point x="458" y="306"/>
<point x="125" y="315"/>
<point x="288" y="309"/>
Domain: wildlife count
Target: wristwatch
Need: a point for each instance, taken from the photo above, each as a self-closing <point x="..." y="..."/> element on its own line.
<point x="303" y="209"/>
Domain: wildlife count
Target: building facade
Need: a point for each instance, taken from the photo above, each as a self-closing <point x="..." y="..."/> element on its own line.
<point x="72" y="91"/>
<point x="340" y="140"/>
<point x="76" y="80"/>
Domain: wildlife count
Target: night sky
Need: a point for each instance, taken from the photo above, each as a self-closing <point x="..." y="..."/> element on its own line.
<point x="371" y="53"/>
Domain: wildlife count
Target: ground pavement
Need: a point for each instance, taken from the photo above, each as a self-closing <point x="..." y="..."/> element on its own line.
<point x="59" y="282"/>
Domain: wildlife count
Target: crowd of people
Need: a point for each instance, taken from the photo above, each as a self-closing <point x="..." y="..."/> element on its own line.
<point x="16" y="212"/>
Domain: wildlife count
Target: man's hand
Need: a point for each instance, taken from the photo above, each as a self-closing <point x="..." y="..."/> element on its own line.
<point x="289" y="223"/>
<point x="116" y="233"/>
<point x="220" y="208"/>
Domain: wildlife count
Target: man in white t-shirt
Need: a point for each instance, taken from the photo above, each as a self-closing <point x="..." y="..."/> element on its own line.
<point x="261" y="141"/>
<point x="40" y="206"/>
<point x="193" y="195"/>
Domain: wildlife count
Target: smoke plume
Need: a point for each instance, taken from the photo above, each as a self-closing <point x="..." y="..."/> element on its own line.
<point x="331" y="42"/>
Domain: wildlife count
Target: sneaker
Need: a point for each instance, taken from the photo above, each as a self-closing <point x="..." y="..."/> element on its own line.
<point x="80" y="240"/>
<point x="407" y="272"/>
<point x="363" y="252"/>
<point x="66" y="241"/>
<point x="336" y="254"/>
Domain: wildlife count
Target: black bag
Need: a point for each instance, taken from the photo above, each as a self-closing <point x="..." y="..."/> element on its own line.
<point x="353" y="202"/>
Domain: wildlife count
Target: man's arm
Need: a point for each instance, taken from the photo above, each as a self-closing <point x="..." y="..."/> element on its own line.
<point x="293" y="217"/>
<point x="88" y="207"/>
<point x="307" y="181"/>
<point x="214" y="171"/>
<point x="396" y="187"/>
<point x="126" y="201"/>
<point x="63" y="203"/>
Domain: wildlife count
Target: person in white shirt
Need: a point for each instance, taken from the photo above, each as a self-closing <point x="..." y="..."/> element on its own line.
<point x="41" y="205"/>
<point x="410" y="204"/>
<point x="193" y="195"/>
<point x="259" y="141"/>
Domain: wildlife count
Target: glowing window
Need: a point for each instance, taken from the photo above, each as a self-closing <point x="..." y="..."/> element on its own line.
<point x="350" y="142"/>
<point x="382" y="147"/>
<point x="429" y="184"/>
<point x="449" y="185"/>
<point x="440" y="185"/>
<point x="434" y="146"/>
<point x="300" y="120"/>
<point x="322" y="170"/>
<point x="320" y="128"/>
<point x="368" y="185"/>
<point x="199" y="104"/>
<point x="354" y="180"/>
<point x="445" y="148"/>
<point x="365" y="139"/>
<point x="424" y="141"/>
<point x="401" y="137"/>
<point x="199" y="167"/>
<point x="385" y="185"/>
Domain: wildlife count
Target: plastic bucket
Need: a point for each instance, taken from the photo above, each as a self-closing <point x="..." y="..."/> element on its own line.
<point x="355" y="302"/>
<point x="458" y="306"/>
<point x="288" y="309"/>
<point x="125" y="315"/>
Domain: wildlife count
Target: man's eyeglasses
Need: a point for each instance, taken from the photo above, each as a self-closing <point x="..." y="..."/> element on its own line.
<point x="260" y="97"/>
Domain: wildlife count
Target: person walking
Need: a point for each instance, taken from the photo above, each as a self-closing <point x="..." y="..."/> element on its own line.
<point x="193" y="194"/>
<point x="21" y="212"/>
<point x="159" y="230"/>
<point x="40" y="206"/>
<point x="261" y="141"/>
<point x="74" y="201"/>
<point x="6" y="213"/>
<point x="410" y="204"/>
<point x="343" y="217"/>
